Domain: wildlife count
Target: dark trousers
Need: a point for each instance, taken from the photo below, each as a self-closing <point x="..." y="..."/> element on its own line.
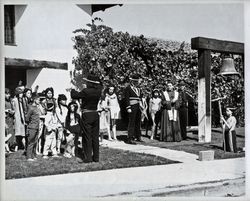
<point x="77" y="131"/>
<point x="90" y="138"/>
<point x="183" y="122"/>
<point x="230" y="141"/>
<point x="134" y="124"/>
<point x="32" y="137"/>
<point x="19" y="140"/>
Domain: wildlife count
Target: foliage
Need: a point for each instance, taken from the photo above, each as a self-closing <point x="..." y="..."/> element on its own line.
<point x="114" y="56"/>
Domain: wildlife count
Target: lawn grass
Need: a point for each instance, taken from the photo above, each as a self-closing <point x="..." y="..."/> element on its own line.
<point x="191" y="144"/>
<point x="18" y="167"/>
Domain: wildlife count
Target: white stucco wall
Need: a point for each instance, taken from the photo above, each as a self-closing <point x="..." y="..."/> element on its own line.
<point x="44" y="32"/>
<point x="44" y="78"/>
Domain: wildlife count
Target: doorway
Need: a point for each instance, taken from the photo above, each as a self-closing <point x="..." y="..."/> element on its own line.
<point x="12" y="77"/>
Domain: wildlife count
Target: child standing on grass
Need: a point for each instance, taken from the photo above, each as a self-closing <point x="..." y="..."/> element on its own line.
<point x="154" y="110"/>
<point x="104" y="122"/>
<point x="33" y="121"/>
<point x="230" y="143"/>
<point x="51" y="124"/>
<point x="61" y="112"/>
<point x="73" y="126"/>
<point x="112" y="103"/>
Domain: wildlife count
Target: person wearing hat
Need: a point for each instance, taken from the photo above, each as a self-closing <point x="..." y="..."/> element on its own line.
<point x="133" y="97"/>
<point x="230" y="142"/>
<point x="33" y="120"/>
<point x="170" y="124"/>
<point x="183" y="110"/>
<point x="154" y="110"/>
<point x="61" y="112"/>
<point x="19" y="118"/>
<point x="90" y="97"/>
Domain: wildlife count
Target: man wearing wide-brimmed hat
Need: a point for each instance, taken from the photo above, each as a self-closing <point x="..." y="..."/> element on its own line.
<point x="133" y="97"/>
<point x="90" y="118"/>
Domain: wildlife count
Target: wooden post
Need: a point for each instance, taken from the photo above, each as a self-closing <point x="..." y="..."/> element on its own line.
<point x="204" y="47"/>
<point x="204" y="96"/>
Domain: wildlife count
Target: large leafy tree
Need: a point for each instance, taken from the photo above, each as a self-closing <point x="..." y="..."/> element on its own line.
<point x="114" y="56"/>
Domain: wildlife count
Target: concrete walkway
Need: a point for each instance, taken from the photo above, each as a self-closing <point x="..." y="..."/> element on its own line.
<point x="180" y="156"/>
<point x="140" y="181"/>
<point x="161" y="180"/>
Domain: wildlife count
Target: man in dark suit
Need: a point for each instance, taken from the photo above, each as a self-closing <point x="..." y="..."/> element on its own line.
<point x="133" y="97"/>
<point x="183" y="110"/>
<point x="90" y="118"/>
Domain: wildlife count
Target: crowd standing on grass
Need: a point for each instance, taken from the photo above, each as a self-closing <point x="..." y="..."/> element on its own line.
<point x="41" y="124"/>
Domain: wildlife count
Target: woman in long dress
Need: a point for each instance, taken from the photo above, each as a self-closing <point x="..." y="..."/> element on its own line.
<point x="170" y="124"/>
<point x="19" y="118"/>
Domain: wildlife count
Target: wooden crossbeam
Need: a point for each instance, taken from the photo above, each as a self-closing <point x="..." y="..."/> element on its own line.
<point x="27" y="63"/>
<point x="215" y="45"/>
<point x="205" y="46"/>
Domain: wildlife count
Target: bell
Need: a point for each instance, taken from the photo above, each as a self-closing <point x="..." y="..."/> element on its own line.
<point x="228" y="67"/>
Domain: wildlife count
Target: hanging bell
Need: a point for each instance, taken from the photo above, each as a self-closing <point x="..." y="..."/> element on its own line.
<point x="228" y="67"/>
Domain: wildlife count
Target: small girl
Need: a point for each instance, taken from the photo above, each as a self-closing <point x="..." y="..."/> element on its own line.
<point x="51" y="123"/>
<point x="27" y="93"/>
<point x="230" y="143"/>
<point x="104" y="123"/>
<point x="154" y="108"/>
<point x="61" y="112"/>
<point x="73" y="126"/>
<point x="49" y="103"/>
<point x="114" y="107"/>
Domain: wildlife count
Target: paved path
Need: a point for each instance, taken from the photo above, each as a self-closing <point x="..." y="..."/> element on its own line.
<point x="161" y="180"/>
<point x="180" y="156"/>
<point x="140" y="181"/>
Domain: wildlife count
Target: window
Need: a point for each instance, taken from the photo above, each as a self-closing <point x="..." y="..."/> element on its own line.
<point x="9" y="24"/>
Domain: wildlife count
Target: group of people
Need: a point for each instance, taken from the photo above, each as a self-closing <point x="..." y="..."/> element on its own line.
<point x="166" y="109"/>
<point x="40" y="124"/>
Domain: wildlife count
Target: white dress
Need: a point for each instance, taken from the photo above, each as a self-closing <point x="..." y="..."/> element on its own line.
<point x="19" y="118"/>
<point x="154" y="105"/>
<point x="104" y="122"/>
<point x="112" y="103"/>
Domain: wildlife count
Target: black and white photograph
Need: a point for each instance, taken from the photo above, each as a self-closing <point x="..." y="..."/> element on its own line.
<point x="123" y="99"/>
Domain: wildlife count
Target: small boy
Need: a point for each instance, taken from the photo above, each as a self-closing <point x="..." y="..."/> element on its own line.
<point x="32" y="120"/>
<point x="51" y="124"/>
<point x="230" y="142"/>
